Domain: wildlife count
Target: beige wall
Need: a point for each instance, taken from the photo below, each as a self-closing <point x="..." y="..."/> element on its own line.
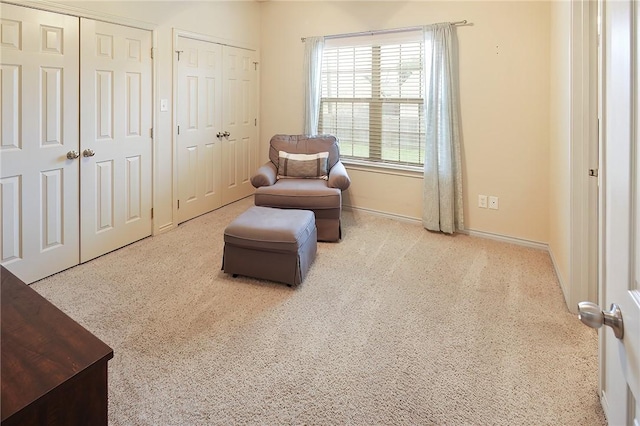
<point x="504" y="89"/>
<point x="504" y="79"/>
<point x="560" y="140"/>
<point x="236" y="22"/>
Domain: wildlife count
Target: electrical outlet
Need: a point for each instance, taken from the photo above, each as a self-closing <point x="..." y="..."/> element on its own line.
<point x="482" y="201"/>
<point x="493" y="203"/>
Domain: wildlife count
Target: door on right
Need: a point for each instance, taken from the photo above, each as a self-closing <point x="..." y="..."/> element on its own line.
<point x="115" y="124"/>
<point x="217" y="140"/>
<point x="619" y="261"/>
<point x="240" y="143"/>
<point x="199" y="116"/>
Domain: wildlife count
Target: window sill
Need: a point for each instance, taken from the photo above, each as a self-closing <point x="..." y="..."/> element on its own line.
<point x="384" y="168"/>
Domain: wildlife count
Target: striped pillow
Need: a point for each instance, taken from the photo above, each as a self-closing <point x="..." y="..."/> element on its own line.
<point x="309" y="166"/>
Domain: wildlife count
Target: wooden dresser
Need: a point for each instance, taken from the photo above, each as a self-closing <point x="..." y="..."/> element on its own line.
<point x="54" y="371"/>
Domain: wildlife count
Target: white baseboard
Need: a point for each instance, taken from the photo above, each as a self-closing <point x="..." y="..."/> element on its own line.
<point x="384" y="214"/>
<point x="471" y="232"/>
<point x="507" y="239"/>
<point x="561" y="281"/>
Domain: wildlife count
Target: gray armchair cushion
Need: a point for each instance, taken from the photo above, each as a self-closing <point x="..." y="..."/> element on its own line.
<point x="310" y="166"/>
<point x="306" y="194"/>
<point x="304" y="144"/>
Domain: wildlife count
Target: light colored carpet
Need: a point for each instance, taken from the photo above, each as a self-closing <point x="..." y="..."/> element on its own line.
<point x="393" y="325"/>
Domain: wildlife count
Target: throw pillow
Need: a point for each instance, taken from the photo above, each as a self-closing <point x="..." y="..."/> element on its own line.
<point x="310" y="166"/>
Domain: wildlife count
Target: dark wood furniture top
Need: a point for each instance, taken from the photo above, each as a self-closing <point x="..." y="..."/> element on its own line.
<point x="53" y="371"/>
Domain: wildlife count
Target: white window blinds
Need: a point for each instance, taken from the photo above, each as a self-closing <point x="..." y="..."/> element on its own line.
<point x="372" y="96"/>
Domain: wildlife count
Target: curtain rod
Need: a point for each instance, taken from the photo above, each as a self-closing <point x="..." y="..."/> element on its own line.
<point x="396" y="30"/>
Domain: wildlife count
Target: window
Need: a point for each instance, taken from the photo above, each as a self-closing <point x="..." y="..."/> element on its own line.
<point x="372" y="97"/>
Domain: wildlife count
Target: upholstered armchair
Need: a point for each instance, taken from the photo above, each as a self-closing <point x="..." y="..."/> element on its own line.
<point x="304" y="172"/>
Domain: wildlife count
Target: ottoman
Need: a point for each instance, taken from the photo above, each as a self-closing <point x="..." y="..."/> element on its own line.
<point x="271" y="244"/>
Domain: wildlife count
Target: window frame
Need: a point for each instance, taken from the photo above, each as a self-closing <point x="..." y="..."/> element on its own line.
<point x="376" y="103"/>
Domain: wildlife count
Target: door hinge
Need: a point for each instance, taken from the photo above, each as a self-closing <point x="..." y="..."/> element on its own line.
<point x="255" y="66"/>
<point x="593" y="172"/>
<point x="178" y="204"/>
<point x="151" y="132"/>
<point x="178" y="129"/>
<point x="152" y="213"/>
<point x="152" y="51"/>
<point x="179" y="52"/>
<point x="255" y="121"/>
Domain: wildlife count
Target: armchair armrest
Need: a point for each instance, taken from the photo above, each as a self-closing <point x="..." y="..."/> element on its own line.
<point x="338" y="177"/>
<point x="264" y="176"/>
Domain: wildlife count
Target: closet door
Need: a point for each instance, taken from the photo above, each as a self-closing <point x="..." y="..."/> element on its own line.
<point x="115" y="88"/>
<point x="199" y="111"/>
<point x="240" y="147"/>
<point x="39" y="169"/>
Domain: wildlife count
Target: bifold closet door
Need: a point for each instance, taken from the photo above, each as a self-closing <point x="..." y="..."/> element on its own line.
<point x="39" y="231"/>
<point x="68" y="195"/>
<point x="240" y="147"/>
<point x="199" y="113"/>
<point x="115" y="122"/>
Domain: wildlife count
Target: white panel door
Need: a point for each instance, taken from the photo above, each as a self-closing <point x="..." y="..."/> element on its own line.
<point x="39" y="117"/>
<point x="199" y="112"/>
<point x="240" y="147"/>
<point x="115" y="121"/>
<point x="620" y="258"/>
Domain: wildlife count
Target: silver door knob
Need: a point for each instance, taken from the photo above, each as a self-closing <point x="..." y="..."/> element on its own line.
<point x="72" y="155"/>
<point x="88" y="153"/>
<point x="591" y="314"/>
<point x="226" y="134"/>
<point x="219" y="134"/>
